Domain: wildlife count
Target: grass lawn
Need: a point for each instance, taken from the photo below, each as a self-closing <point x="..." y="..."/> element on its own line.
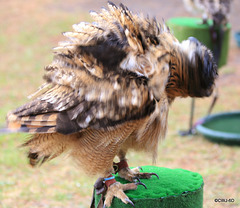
<point x="28" y="32"/>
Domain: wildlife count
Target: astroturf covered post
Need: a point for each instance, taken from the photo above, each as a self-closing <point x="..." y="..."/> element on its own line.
<point x="175" y="188"/>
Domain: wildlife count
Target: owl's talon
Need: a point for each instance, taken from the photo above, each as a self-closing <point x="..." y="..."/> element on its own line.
<point x="137" y="178"/>
<point x="130" y="202"/>
<point x="140" y="183"/>
<point x="140" y="168"/>
<point x="154" y="174"/>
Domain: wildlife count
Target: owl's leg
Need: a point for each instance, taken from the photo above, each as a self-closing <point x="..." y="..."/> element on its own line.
<point x="130" y="174"/>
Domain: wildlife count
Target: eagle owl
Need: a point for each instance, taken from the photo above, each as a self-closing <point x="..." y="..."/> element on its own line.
<point x="108" y="90"/>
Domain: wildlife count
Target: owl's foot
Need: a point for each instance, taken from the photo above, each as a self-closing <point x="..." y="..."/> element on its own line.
<point x="117" y="190"/>
<point x="132" y="174"/>
<point x="110" y="188"/>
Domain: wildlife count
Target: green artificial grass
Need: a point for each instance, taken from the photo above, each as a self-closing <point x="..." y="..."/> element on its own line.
<point x="184" y="27"/>
<point x="174" y="188"/>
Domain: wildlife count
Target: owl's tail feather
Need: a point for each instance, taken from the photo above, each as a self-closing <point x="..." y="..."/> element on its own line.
<point x="44" y="144"/>
<point x="42" y="123"/>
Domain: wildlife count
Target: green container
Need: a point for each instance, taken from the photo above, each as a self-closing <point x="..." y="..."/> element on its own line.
<point x="184" y="27"/>
<point x="221" y="128"/>
<point x="175" y="188"/>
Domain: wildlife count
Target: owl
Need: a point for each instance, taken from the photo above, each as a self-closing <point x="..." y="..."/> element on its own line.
<point x="108" y="90"/>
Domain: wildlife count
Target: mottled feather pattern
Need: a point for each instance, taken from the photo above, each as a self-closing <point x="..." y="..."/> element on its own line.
<point x="109" y="88"/>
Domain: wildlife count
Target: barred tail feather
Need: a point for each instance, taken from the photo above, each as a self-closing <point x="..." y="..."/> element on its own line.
<point x="43" y="123"/>
<point x="16" y="128"/>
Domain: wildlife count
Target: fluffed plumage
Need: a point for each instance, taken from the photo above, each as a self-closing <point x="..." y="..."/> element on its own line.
<point x="109" y="89"/>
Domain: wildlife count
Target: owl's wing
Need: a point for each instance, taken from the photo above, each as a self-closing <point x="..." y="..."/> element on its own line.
<point x="95" y="103"/>
<point x="106" y="73"/>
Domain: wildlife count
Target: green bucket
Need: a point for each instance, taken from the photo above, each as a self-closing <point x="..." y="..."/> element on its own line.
<point x="221" y="128"/>
<point x="184" y="27"/>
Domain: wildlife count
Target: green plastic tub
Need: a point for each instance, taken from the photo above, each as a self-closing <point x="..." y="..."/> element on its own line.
<point x="221" y="128"/>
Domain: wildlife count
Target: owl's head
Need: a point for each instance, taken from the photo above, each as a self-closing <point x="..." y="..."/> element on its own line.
<point x="192" y="70"/>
